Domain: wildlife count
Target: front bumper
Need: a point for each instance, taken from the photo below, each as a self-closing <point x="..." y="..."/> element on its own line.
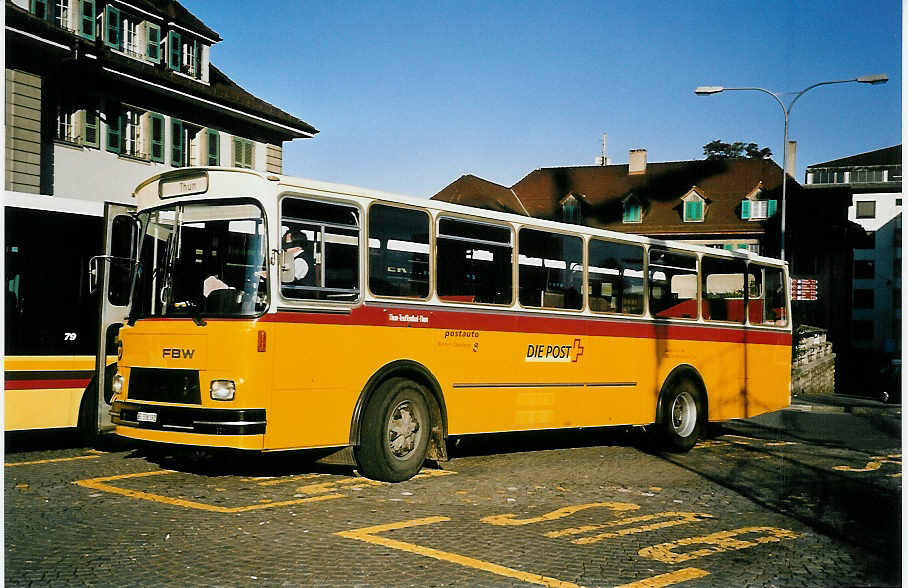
<point x="189" y="419"/>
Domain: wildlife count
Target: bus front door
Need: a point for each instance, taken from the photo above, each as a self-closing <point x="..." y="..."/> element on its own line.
<point x="112" y="273"/>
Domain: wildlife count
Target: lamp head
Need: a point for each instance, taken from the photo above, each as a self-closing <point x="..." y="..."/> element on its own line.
<point x="707" y="90"/>
<point x="874" y="79"/>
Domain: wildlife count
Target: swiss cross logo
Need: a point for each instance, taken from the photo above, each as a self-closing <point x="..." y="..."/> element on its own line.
<point x="576" y="351"/>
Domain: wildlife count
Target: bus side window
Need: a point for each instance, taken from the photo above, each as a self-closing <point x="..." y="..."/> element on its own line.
<point x="774" y="308"/>
<point x="320" y="244"/>
<point x="551" y="270"/>
<point x="723" y="289"/>
<point x="615" y="280"/>
<point x="398" y="251"/>
<point x="473" y="262"/>
<point x="672" y="284"/>
<point x="754" y="294"/>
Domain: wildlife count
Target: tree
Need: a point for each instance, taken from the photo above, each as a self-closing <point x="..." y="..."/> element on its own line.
<point x="720" y="150"/>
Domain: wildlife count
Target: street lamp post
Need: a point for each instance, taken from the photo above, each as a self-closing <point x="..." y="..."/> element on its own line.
<point x="786" y="111"/>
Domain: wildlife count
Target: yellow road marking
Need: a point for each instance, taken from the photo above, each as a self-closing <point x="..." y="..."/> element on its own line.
<point x="54" y="460"/>
<point x="668" y="579"/>
<point x="286" y="480"/>
<point x="335" y="485"/>
<point x="874" y="463"/>
<point x="509" y="519"/>
<point x="370" y="535"/>
<point x="718" y="542"/>
<point x="100" y="484"/>
<point x="673" y="519"/>
<point x="432" y="474"/>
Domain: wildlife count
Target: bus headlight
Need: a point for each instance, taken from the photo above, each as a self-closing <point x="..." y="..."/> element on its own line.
<point x="222" y="389"/>
<point x="116" y="384"/>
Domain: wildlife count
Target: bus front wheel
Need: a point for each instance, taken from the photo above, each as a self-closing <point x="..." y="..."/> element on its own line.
<point x="682" y="416"/>
<point x="394" y="437"/>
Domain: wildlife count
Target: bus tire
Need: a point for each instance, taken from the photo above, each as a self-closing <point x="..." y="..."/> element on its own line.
<point x="683" y="415"/>
<point x="87" y="425"/>
<point x="395" y="432"/>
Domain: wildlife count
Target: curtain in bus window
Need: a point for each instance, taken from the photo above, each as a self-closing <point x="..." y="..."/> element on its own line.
<point x="615" y="277"/>
<point x="672" y="284"/>
<point x="550" y="271"/>
<point x="320" y="250"/>
<point x="723" y="289"/>
<point x="473" y="262"/>
<point x="398" y="251"/>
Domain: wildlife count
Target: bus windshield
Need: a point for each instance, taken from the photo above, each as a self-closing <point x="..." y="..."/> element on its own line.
<point x="202" y="260"/>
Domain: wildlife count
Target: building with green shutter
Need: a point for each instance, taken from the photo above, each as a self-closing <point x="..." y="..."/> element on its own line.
<point x="723" y="203"/>
<point x="104" y="93"/>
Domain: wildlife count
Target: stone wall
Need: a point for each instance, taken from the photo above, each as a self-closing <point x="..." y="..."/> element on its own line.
<point x="813" y="363"/>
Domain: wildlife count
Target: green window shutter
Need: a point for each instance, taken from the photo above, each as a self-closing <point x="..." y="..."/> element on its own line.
<point x="771" y="208"/>
<point x="214" y="147"/>
<point x="173" y="44"/>
<point x="90" y="128"/>
<point x="176" y="143"/>
<point x="728" y="247"/>
<point x="745" y="209"/>
<point x="112" y="25"/>
<point x="114" y="131"/>
<point x="153" y="45"/>
<point x="742" y="245"/>
<point x="157" y="138"/>
<point x="243" y="153"/>
<point x="40" y="9"/>
<point x="87" y="26"/>
<point x="693" y="211"/>
<point x="248" y="153"/>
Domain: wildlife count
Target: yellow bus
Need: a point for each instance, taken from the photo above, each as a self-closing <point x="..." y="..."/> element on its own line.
<point x="274" y="313"/>
<point x="50" y="315"/>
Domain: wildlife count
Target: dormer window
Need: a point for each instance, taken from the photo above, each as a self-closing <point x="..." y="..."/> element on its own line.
<point x="757" y="209"/>
<point x="633" y="210"/>
<point x="127" y="32"/>
<point x="185" y="54"/>
<point x="570" y="210"/>
<point x="754" y="207"/>
<point x="694" y="205"/>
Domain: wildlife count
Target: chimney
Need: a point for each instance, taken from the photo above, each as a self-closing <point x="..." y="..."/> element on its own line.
<point x="792" y="152"/>
<point x="636" y="161"/>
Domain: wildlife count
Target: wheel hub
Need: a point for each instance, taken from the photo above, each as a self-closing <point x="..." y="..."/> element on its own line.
<point x="404" y="430"/>
<point x="684" y="414"/>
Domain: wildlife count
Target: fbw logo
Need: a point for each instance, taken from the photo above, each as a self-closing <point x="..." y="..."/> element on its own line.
<point x="555" y="353"/>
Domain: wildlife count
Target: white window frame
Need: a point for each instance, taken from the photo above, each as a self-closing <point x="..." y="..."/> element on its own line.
<point x="129" y="31"/>
<point x="188" y="53"/>
<point x="133" y="134"/>
<point x="66" y="124"/>
<point x="64" y="9"/>
<point x="759" y="209"/>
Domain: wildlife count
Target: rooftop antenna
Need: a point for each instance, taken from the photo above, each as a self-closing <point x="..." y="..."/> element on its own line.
<point x="603" y="159"/>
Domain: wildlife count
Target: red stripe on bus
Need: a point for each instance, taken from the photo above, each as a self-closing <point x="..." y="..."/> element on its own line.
<point x="516" y="323"/>
<point x="44" y="384"/>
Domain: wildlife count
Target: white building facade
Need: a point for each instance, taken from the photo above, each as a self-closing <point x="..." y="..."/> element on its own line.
<point x="875" y="181"/>
<point x="101" y="94"/>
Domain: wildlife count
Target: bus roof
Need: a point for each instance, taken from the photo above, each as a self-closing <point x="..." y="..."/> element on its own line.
<point x="293" y="183"/>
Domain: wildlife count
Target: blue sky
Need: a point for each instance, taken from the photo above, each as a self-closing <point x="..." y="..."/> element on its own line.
<point x="408" y="96"/>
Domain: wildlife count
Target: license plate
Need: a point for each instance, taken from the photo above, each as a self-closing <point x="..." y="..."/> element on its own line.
<point x="147" y="417"/>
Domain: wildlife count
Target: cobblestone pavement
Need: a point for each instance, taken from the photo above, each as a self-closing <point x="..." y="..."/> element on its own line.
<point x="750" y="507"/>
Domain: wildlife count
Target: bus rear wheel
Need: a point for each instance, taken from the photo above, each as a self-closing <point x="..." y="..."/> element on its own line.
<point x="394" y="437"/>
<point x="682" y="418"/>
